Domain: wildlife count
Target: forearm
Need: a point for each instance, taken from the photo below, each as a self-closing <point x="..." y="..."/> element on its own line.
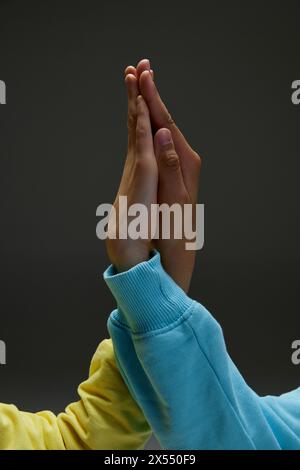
<point x="105" y="416"/>
<point x="173" y="357"/>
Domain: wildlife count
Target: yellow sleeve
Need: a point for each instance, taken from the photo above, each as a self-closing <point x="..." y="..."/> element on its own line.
<point x="105" y="417"/>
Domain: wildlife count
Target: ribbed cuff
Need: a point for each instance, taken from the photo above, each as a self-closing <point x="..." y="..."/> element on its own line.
<point x="148" y="298"/>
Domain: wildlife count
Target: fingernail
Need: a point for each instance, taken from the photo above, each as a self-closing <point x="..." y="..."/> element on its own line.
<point x="148" y="63"/>
<point x="164" y="137"/>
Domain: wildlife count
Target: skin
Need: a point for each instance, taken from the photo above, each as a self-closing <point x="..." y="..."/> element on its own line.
<point x="160" y="167"/>
<point x="138" y="182"/>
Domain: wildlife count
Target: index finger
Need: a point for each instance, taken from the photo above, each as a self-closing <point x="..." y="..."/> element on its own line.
<point x="160" y="115"/>
<point x="144" y="139"/>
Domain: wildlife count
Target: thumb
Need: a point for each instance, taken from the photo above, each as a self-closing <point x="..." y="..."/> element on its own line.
<point x="171" y="184"/>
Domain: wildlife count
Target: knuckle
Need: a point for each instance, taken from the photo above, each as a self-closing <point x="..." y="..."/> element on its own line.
<point x="184" y="197"/>
<point x="142" y="113"/>
<point x="141" y="131"/>
<point x="140" y="166"/>
<point x="171" y="159"/>
<point x="131" y="120"/>
<point x="197" y="160"/>
<point x="169" y="120"/>
<point x="197" y="156"/>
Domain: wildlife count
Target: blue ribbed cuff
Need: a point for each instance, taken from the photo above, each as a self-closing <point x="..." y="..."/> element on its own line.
<point x="148" y="298"/>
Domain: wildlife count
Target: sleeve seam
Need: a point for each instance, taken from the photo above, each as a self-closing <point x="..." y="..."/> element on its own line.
<point x="164" y="329"/>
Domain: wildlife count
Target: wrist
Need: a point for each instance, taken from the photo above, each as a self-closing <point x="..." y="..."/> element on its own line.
<point x="147" y="298"/>
<point x="124" y="256"/>
<point x="177" y="261"/>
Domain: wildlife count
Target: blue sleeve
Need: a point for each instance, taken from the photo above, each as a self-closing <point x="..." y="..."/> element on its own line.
<point x="172" y="355"/>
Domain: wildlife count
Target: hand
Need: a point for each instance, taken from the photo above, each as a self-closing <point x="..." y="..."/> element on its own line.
<point x="138" y="183"/>
<point x="179" y="169"/>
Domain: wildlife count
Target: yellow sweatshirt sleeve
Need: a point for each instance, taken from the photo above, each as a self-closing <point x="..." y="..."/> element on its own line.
<point x="105" y="417"/>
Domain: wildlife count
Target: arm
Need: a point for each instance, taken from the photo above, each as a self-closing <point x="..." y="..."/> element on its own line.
<point x="105" y="417"/>
<point x="172" y="355"/>
<point x="170" y="350"/>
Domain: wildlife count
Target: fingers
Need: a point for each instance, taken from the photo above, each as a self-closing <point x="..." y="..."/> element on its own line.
<point x="144" y="139"/>
<point x="190" y="162"/>
<point x="160" y="115"/>
<point x="142" y="65"/>
<point x="130" y="70"/>
<point x="132" y="93"/>
<point x="171" y="184"/>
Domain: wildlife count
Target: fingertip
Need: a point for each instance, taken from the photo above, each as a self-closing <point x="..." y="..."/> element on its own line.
<point x="130" y="69"/>
<point x="142" y="66"/>
<point x="144" y="63"/>
<point x="146" y="81"/>
<point x="130" y="78"/>
<point x="131" y="84"/>
<point x="163" y="137"/>
<point x="146" y="74"/>
<point x="146" y="85"/>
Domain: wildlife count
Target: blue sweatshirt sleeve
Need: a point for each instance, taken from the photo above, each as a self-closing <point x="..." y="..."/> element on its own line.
<point x="172" y="355"/>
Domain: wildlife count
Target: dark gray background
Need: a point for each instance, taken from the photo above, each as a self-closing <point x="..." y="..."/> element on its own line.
<point x="225" y="69"/>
